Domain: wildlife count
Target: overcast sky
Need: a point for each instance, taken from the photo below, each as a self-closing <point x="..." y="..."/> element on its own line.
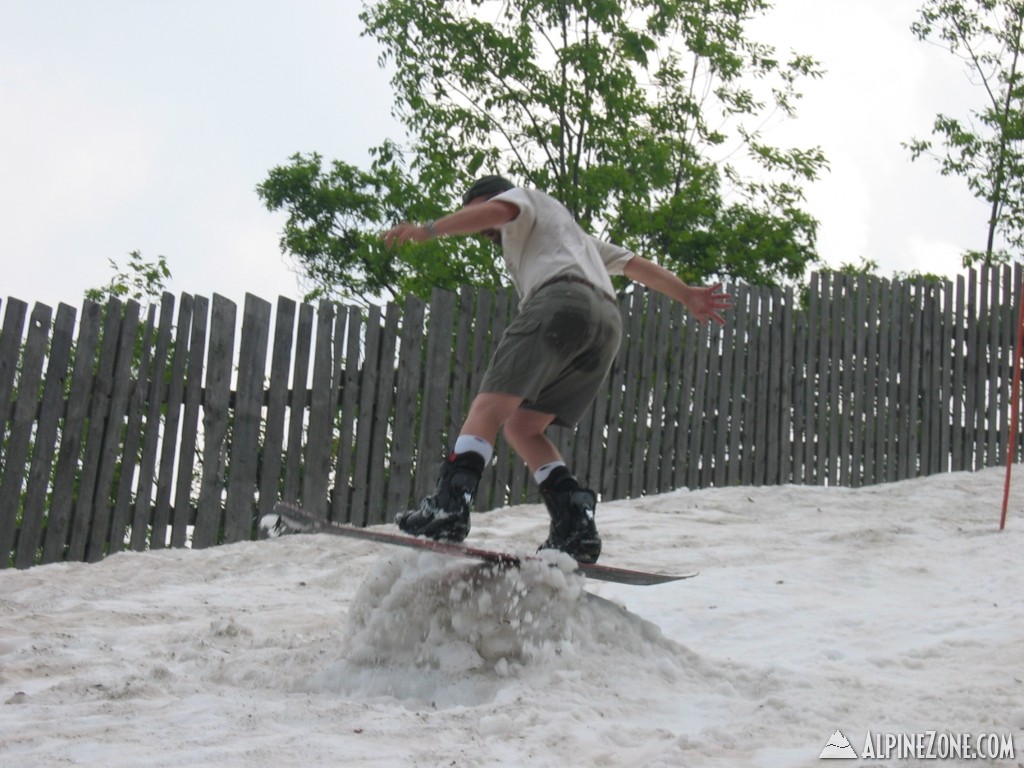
<point x="147" y="124"/>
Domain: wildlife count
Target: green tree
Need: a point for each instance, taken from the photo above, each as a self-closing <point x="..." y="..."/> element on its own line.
<point x="643" y="116"/>
<point x="138" y="280"/>
<point x="985" y="149"/>
<point x="336" y="215"/>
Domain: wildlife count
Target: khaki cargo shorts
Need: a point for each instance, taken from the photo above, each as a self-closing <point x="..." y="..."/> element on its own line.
<point x="557" y="351"/>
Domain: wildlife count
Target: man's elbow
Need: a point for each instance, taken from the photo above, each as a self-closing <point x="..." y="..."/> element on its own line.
<point x="637" y="268"/>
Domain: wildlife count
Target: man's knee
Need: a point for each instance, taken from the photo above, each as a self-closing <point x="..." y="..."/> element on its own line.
<point x="525" y="425"/>
<point x="493" y="409"/>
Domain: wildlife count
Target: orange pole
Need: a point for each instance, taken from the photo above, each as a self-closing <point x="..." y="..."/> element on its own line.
<point x="1011" y="449"/>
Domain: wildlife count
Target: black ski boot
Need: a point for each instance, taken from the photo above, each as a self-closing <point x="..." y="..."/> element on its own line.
<point x="571" y="507"/>
<point x="445" y="515"/>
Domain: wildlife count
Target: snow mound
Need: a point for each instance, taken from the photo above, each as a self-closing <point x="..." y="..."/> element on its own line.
<point x="429" y="629"/>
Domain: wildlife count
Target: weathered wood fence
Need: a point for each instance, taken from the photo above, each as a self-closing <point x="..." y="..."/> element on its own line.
<point x="121" y="431"/>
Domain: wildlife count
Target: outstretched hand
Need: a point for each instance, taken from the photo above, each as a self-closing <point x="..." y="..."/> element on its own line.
<point x="707" y="302"/>
<point x="405" y="232"/>
<point x="703" y="302"/>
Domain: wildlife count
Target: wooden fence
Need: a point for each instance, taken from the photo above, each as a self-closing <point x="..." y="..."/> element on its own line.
<point x="121" y="431"/>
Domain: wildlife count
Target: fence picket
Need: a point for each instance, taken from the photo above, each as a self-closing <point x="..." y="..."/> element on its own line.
<point x="433" y="440"/>
<point x="19" y="442"/>
<point x="499" y="477"/>
<point x="317" y="463"/>
<point x="298" y="403"/>
<point x="184" y="512"/>
<point x="908" y="377"/>
<point x="870" y="390"/>
<point x="37" y="483"/>
<point x="778" y="442"/>
<point x="342" y="501"/>
<point x="271" y="458"/>
<point x="407" y="403"/>
<point x="368" y="382"/>
<point x="628" y="426"/>
<point x="133" y="440"/>
<point x="676" y="398"/>
<point x="157" y="394"/>
<point x="707" y="360"/>
<point x="102" y="387"/>
<point x="216" y="400"/>
<point x="991" y="391"/>
<point x="726" y="467"/>
<point x="112" y="440"/>
<point x="59" y="518"/>
<point x="832" y="334"/>
<point x="377" y="511"/>
<point x="844" y="324"/>
<point x="10" y="351"/>
<point x="757" y="366"/>
<point x="240" y="509"/>
<point x="656" y="342"/>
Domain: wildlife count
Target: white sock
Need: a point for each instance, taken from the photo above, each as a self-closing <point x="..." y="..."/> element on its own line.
<point x="476" y="445"/>
<point x="545" y="471"/>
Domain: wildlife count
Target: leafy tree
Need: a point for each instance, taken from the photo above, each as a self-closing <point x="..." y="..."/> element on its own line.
<point x="865" y="267"/>
<point x="985" y="148"/>
<point x="869" y="268"/>
<point x="138" y="280"/>
<point x="643" y="116"/>
<point x="336" y="215"/>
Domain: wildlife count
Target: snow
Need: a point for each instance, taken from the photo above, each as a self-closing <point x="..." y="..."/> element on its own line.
<point x="889" y="609"/>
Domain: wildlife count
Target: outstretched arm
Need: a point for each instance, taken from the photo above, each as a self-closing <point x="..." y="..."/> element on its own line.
<point x="703" y="302"/>
<point x="476" y="217"/>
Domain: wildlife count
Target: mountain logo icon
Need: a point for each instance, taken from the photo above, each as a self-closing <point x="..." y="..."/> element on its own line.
<point x="838" y="748"/>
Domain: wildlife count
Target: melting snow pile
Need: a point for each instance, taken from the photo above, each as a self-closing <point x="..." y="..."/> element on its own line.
<point x="428" y="629"/>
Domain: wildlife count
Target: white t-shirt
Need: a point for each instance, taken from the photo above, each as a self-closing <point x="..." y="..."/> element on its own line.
<point x="544" y="242"/>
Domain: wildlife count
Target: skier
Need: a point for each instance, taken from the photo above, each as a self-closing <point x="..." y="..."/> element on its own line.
<point x="551" y="360"/>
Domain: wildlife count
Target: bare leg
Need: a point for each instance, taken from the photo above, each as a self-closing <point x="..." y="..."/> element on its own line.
<point x="524" y="431"/>
<point x="571" y="508"/>
<point x="487" y="413"/>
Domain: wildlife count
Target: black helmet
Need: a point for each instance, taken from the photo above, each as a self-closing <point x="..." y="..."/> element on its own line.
<point x="489" y="186"/>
